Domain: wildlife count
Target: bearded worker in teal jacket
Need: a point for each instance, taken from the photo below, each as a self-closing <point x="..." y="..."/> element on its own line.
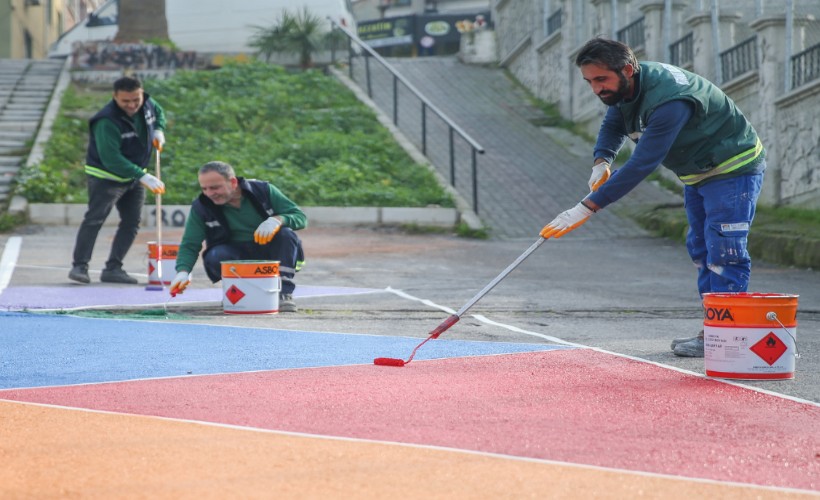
<point x="683" y="121"/>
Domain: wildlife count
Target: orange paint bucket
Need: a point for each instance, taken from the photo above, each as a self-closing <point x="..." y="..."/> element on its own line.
<point x="168" y="261"/>
<point x="751" y="336"/>
<point x="250" y="287"/>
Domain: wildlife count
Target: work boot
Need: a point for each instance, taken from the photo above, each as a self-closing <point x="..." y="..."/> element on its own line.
<point x="79" y="273"/>
<point x="286" y="303"/>
<point x="117" y="276"/>
<point x="691" y="349"/>
<point x="681" y="340"/>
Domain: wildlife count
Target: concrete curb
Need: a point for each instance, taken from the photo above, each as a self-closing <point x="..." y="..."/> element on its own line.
<point x="71" y="214"/>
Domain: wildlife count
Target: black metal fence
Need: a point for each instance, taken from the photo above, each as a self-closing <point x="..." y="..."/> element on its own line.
<point x="443" y="142"/>
<point x="681" y="52"/>
<point x="805" y="66"/>
<point x="740" y="59"/>
<point x="633" y="34"/>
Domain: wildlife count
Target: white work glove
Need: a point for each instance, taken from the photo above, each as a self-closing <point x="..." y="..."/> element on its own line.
<point x="267" y="230"/>
<point x="600" y="174"/>
<point x="567" y="221"/>
<point x="153" y="184"/>
<point x="180" y="283"/>
<point x="159" y="139"/>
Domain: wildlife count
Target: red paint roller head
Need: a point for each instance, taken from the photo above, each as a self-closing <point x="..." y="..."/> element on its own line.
<point x="452" y="320"/>
<point x="389" y="362"/>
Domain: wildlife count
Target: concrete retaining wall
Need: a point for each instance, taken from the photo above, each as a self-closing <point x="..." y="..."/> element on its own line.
<point x="66" y="214"/>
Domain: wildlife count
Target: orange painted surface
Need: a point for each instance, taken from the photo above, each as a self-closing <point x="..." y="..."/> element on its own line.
<point x="49" y="452"/>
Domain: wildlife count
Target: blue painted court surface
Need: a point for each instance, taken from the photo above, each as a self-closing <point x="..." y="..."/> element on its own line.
<point x="46" y="350"/>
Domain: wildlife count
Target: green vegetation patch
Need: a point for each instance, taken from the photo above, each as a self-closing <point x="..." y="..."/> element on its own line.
<point x="782" y="235"/>
<point x="305" y="132"/>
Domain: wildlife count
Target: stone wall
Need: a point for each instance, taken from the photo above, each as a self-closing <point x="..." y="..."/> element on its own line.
<point x="786" y="121"/>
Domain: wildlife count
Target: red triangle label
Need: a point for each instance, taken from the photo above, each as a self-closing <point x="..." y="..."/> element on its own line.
<point x="234" y="294"/>
<point x="769" y="348"/>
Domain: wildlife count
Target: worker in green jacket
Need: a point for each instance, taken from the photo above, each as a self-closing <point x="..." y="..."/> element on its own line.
<point x="123" y="135"/>
<point x="240" y="219"/>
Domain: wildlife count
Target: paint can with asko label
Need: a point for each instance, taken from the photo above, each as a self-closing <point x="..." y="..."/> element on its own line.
<point x="750" y="336"/>
<point x="250" y="287"/>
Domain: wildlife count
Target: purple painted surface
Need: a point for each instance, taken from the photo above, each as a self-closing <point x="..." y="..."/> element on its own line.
<point x="74" y="296"/>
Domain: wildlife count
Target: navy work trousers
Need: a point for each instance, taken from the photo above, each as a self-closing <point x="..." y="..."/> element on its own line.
<point x="286" y="247"/>
<point x="720" y="215"/>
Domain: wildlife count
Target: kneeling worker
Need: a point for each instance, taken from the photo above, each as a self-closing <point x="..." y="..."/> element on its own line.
<point x="240" y="220"/>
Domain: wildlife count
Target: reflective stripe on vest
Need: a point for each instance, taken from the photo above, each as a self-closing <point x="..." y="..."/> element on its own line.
<point x="727" y="166"/>
<point x="104" y="174"/>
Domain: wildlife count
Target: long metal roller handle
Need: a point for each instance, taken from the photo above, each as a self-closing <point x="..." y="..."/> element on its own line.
<point x="501" y="276"/>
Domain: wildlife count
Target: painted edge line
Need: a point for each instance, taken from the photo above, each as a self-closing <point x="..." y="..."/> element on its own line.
<point x="479" y="317"/>
<point x="9" y="260"/>
<point x="420" y="446"/>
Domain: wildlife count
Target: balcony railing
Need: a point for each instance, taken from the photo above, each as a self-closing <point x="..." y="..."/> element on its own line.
<point x="740" y="59"/>
<point x="633" y="34"/>
<point x="554" y="22"/>
<point x="806" y="66"/>
<point x="682" y="52"/>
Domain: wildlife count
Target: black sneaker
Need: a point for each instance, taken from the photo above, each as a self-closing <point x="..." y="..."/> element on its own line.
<point x="79" y="273"/>
<point x="286" y="303"/>
<point x="117" y="276"/>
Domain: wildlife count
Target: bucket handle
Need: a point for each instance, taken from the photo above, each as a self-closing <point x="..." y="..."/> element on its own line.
<point x="772" y="316"/>
<point x="251" y="283"/>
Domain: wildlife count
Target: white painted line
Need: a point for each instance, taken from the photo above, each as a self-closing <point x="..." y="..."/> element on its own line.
<point x="9" y="260"/>
<point x="553" y="339"/>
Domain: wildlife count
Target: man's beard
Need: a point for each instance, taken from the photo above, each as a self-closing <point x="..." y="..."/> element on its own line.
<point x="611" y="98"/>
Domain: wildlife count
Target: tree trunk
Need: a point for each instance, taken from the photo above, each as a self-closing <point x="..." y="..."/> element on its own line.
<point x="141" y="20"/>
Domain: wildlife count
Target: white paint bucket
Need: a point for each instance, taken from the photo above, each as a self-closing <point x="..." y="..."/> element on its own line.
<point x="168" y="261"/>
<point x="250" y="287"/>
<point x="750" y="336"/>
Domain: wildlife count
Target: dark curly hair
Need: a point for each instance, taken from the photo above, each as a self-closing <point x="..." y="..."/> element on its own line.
<point x="612" y="54"/>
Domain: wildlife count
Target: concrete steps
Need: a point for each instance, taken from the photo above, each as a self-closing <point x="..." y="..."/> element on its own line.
<point x="26" y="86"/>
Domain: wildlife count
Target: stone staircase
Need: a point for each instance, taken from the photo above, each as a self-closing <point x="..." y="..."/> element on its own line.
<point x="26" y="86"/>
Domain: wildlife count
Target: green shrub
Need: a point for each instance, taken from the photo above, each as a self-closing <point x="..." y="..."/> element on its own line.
<point x="304" y="132"/>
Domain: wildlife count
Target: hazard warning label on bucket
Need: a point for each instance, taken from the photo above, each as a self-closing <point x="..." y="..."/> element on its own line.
<point x="769" y="348"/>
<point x="234" y="294"/>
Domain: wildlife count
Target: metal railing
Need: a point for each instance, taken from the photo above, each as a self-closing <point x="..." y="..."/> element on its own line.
<point x="633" y="34"/>
<point x="366" y="53"/>
<point x="681" y="52"/>
<point x="740" y="59"/>
<point x="805" y="66"/>
<point x="554" y="21"/>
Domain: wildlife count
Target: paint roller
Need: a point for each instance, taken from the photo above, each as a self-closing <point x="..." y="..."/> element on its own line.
<point x="453" y="319"/>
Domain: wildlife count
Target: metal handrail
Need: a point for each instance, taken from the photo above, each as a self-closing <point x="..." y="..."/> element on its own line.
<point x="425" y="105"/>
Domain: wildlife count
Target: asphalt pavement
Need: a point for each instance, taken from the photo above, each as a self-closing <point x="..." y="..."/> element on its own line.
<point x="628" y="295"/>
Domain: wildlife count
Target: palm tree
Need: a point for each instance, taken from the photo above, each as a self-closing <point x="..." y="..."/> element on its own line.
<point x="303" y="33"/>
<point x="141" y="20"/>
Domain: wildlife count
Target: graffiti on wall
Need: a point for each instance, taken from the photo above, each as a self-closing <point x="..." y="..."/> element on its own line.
<point x="95" y="60"/>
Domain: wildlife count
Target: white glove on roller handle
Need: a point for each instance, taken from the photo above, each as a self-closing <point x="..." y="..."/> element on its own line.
<point x="153" y="184"/>
<point x="180" y="283"/>
<point x="267" y="230"/>
<point x="159" y="139"/>
<point x="600" y="174"/>
<point x="567" y="221"/>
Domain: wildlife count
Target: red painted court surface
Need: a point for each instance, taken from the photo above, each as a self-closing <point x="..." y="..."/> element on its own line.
<point x="563" y="423"/>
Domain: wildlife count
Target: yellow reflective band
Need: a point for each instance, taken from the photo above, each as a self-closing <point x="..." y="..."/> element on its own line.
<point x="727" y="166"/>
<point x="104" y="174"/>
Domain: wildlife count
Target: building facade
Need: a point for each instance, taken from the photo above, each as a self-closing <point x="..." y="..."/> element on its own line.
<point x="417" y="27"/>
<point x="764" y="55"/>
<point x="29" y="27"/>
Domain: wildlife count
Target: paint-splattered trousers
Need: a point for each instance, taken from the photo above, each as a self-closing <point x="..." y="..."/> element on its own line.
<point x="720" y="215"/>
